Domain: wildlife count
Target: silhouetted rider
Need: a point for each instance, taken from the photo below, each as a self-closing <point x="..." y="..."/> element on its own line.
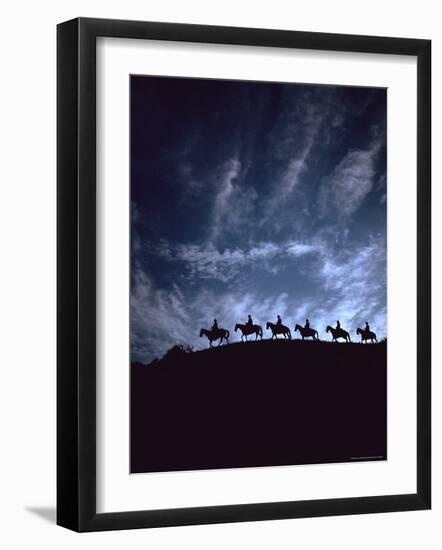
<point x="367" y="327"/>
<point x="338" y="325"/>
<point x="249" y="321"/>
<point x="307" y="324"/>
<point x="279" y="322"/>
<point x="215" y="325"/>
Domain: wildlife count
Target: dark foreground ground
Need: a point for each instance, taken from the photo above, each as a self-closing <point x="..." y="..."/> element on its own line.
<point x="260" y="404"/>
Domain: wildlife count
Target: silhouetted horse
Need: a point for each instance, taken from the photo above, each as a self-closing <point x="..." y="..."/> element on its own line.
<point x="338" y="333"/>
<point x="219" y="334"/>
<point x="367" y="335"/>
<point x="278" y="329"/>
<point x="249" y="329"/>
<point x="307" y="332"/>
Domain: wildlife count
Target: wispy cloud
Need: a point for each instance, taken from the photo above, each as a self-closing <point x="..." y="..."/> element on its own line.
<point x="228" y="187"/>
<point x="159" y="318"/>
<point x="352" y="179"/>
<point x="209" y="262"/>
<point x="295" y="248"/>
<point x="301" y="120"/>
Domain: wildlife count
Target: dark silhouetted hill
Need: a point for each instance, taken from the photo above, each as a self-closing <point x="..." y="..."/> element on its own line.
<point x="259" y="404"/>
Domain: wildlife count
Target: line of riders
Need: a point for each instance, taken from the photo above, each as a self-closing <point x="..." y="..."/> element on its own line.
<point x="249" y="328"/>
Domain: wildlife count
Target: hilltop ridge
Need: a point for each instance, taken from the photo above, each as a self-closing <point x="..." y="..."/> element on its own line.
<point x="259" y="404"/>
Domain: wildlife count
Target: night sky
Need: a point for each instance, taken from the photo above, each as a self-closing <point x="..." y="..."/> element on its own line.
<point x="254" y="197"/>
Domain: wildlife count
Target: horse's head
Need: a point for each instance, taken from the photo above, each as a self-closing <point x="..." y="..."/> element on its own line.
<point x="201" y="332"/>
<point x="328" y="329"/>
<point x="358" y="331"/>
<point x="297" y="327"/>
<point x="236" y="327"/>
<point x="268" y="325"/>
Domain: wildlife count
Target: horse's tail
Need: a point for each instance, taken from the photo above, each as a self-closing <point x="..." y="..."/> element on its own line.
<point x="348" y="334"/>
<point x="260" y="331"/>
<point x="227" y="334"/>
<point x="317" y="335"/>
<point x="289" y="333"/>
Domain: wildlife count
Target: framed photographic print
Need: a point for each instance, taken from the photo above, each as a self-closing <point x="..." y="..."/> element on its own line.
<point x="243" y="274"/>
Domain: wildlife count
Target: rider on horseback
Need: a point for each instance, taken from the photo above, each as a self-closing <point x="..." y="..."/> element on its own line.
<point x="279" y="322"/>
<point x="367" y="327"/>
<point x="215" y="325"/>
<point x="338" y="325"/>
<point x="249" y="321"/>
<point x="307" y="324"/>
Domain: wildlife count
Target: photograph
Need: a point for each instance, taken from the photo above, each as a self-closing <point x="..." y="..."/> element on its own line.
<point x="258" y="274"/>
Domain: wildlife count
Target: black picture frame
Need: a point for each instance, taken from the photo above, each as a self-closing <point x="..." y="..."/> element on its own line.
<point x="76" y="274"/>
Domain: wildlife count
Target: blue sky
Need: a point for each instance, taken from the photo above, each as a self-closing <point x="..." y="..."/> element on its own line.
<point x="254" y="197"/>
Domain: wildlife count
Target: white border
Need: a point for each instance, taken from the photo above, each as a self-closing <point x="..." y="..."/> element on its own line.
<point x="116" y="489"/>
